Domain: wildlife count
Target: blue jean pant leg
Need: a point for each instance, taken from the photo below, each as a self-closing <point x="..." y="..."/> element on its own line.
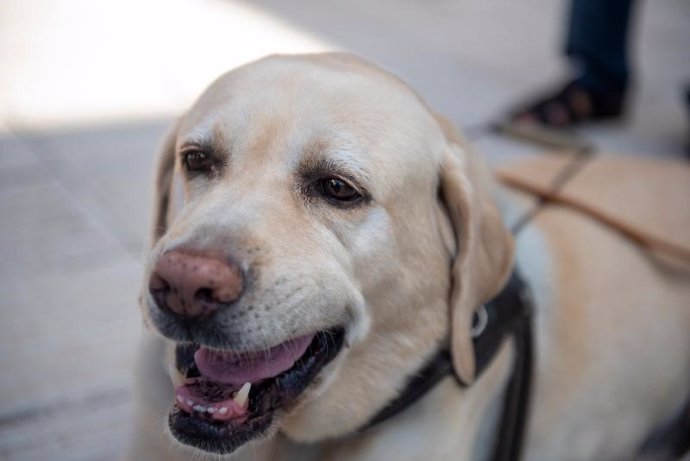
<point x="597" y="41"/>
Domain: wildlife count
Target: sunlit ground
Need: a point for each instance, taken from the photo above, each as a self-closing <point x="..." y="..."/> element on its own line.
<point x="85" y="62"/>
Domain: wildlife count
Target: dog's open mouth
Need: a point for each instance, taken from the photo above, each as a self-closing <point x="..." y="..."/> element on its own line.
<point x="225" y="399"/>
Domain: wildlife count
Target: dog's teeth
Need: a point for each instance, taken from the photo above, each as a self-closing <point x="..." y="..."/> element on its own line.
<point x="242" y="395"/>
<point x="210" y="410"/>
<point x="180" y="399"/>
<point x="175" y="376"/>
<point x="222" y="410"/>
<point x="190" y="403"/>
<point x="199" y="408"/>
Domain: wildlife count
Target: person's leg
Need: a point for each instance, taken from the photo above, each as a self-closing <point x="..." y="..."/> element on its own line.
<point x="597" y="45"/>
<point x="597" y="42"/>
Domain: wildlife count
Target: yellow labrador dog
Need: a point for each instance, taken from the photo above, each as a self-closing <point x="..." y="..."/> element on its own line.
<point x="332" y="236"/>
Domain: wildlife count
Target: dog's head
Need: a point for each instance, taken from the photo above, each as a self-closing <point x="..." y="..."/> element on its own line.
<point x="332" y="236"/>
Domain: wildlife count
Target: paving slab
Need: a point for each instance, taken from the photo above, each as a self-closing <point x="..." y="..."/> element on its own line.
<point x="46" y="233"/>
<point x="67" y="339"/>
<point x="108" y="170"/>
<point x="70" y="319"/>
<point x="96" y="430"/>
<point x="18" y="165"/>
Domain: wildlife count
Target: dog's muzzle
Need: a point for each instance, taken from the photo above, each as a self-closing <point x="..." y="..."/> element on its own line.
<point x="225" y="399"/>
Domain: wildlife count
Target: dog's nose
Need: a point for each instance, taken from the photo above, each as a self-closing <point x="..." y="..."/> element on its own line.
<point x="194" y="285"/>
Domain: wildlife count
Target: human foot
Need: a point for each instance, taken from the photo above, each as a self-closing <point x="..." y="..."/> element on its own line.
<point x="573" y="104"/>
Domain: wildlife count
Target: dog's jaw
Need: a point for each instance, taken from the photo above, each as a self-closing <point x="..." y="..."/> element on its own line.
<point x="213" y="414"/>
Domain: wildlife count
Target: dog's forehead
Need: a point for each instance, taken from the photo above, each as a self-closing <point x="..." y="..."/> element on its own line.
<point x="320" y="101"/>
<point x="312" y="82"/>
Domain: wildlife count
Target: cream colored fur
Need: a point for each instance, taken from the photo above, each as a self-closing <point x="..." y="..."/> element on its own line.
<point x="404" y="273"/>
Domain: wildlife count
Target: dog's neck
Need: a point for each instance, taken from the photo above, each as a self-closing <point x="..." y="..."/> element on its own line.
<point x="458" y="423"/>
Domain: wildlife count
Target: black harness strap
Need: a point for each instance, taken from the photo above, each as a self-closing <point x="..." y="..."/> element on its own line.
<point x="507" y="315"/>
<point x="509" y="441"/>
<point x="438" y="368"/>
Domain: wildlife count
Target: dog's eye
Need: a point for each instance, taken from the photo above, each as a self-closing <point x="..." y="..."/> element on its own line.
<point x="196" y="161"/>
<point x="339" y="190"/>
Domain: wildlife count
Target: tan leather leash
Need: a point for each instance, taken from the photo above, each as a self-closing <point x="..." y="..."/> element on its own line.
<point x="640" y="237"/>
<point x="583" y="153"/>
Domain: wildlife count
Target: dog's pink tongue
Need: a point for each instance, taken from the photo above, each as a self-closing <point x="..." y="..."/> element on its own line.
<point x="248" y="367"/>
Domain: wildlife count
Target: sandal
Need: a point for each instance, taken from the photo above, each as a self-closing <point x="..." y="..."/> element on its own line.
<point x="572" y="105"/>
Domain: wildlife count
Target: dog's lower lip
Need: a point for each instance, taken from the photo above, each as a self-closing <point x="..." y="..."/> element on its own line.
<point x="266" y="397"/>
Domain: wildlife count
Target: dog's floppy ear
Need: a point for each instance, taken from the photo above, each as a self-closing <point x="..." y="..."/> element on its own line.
<point x="484" y="254"/>
<point x="163" y="193"/>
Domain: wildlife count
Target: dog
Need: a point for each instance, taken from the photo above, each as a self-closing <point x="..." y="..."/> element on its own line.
<point x="320" y="234"/>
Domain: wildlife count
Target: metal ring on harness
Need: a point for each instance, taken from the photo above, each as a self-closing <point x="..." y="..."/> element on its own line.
<point x="479" y="321"/>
